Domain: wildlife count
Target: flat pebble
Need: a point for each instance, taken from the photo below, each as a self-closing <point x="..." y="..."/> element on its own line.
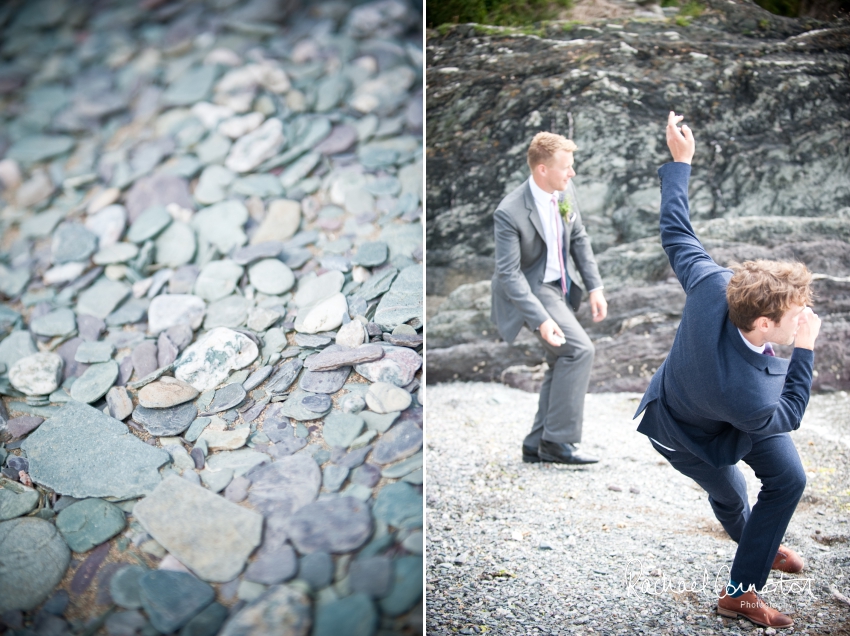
<point x="166" y="392"/>
<point x="386" y="398"/>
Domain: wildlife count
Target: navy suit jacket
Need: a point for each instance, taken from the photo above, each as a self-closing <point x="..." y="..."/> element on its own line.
<point x="713" y="395"/>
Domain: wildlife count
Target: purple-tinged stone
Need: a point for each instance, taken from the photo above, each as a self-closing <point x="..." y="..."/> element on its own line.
<point x="402" y="440"/>
<point x="333" y="477"/>
<point x="68" y="351"/>
<point x="104" y="597"/>
<point x="166" y="351"/>
<point x="352" y="459"/>
<point x="90" y="327"/>
<point x="181" y="335"/>
<point x="166" y="422"/>
<point x="309" y="340"/>
<point x="404" y="340"/>
<point x="398" y="366"/>
<point x="254" y="412"/>
<point x="324" y="381"/>
<point x="58" y="602"/>
<point x="197" y="456"/>
<point x="287" y="446"/>
<point x="285" y="375"/>
<point x="18" y="463"/>
<point x="371" y="576"/>
<point x="84" y="575"/>
<point x="10" y="473"/>
<point x="226" y="398"/>
<point x="276" y="426"/>
<point x="273" y="567"/>
<point x="337" y="356"/>
<point x="20" y="426"/>
<point x="336" y="525"/>
<point x="374" y="329"/>
<point x="120" y="402"/>
<point x="237" y="489"/>
<point x="144" y="358"/>
<point x="342" y="138"/>
<point x="125" y="371"/>
<point x="317" y="403"/>
<point x="367" y="475"/>
<point x="158" y="189"/>
<point x="413" y="415"/>
<point x="286" y="485"/>
<point x="251" y="253"/>
<point x="183" y="279"/>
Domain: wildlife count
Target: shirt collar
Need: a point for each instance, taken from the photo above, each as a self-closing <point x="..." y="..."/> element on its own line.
<point x="750" y="344"/>
<point x="541" y="197"/>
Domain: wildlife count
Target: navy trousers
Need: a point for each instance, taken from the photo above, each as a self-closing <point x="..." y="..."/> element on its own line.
<point x="759" y="531"/>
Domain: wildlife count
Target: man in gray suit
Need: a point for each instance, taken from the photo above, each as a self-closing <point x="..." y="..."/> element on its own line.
<point x="538" y="228"/>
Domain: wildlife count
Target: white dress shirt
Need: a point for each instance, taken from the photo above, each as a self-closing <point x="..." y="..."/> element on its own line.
<point x="552" y="225"/>
<point x="750" y="344"/>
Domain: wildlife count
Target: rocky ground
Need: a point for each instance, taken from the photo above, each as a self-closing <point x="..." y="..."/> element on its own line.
<point x="626" y="546"/>
<point x="210" y="318"/>
<point x="767" y="100"/>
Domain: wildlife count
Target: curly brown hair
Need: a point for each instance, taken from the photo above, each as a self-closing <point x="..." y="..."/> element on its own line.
<point x="544" y="146"/>
<point x="766" y="288"/>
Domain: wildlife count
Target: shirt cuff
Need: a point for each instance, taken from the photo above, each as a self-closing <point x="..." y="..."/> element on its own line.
<point x="596" y="289"/>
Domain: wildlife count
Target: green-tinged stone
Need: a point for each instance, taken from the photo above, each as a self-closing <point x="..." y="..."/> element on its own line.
<point x="231" y="311"/>
<point x="371" y="254"/>
<point x="59" y="322"/>
<point x="270" y="276"/>
<point x="379" y="421"/>
<point x="95" y="382"/>
<point x="39" y="147"/>
<point x="72" y="242"/>
<point x="221" y="225"/>
<point x="176" y="245"/>
<point x="193" y="86"/>
<point x="399" y="505"/>
<point x="116" y="253"/>
<point x="16" y="499"/>
<point x="294" y="409"/>
<point x="341" y="429"/>
<point x="240" y="461"/>
<point x="171" y="599"/>
<point x="130" y="312"/>
<point x="34" y="561"/>
<point x="217" y="280"/>
<point x="102" y="298"/>
<point x="124" y="586"/>
<point x="353" y="615"/>
<point x="207" y="623"/>
<point x="197" y="427"/>
<point x="282" y="609"/>
<point x="149" y="223"/>
<point x="402" y="468"/>
<point x="17" y="345"/>
<point x="406" y="587"/>
<point x="89" y="352"/>
<point x="257" y="185"/>
<point x="89" y="523"/>
<point x="403" y="301"/>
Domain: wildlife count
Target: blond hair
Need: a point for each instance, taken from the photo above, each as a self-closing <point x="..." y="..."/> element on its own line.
<point x="544" y="146"/>
<point x="766" y="288"/>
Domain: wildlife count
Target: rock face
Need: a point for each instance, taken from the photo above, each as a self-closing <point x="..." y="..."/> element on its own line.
<point x="769" y="176"/>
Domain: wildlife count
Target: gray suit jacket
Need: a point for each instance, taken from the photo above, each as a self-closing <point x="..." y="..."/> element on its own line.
<point x="521" y="261"/>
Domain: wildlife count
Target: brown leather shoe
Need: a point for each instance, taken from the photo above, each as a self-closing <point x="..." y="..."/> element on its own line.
<point x="787" y="561"/>
<point x="751" y="606"/>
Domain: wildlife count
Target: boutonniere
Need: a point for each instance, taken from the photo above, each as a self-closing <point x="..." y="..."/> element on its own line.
<point x="566" y="210"/>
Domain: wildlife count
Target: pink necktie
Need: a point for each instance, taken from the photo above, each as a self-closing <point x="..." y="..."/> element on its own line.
<point x="768" y="350"/>
<point x="560" y="246"/>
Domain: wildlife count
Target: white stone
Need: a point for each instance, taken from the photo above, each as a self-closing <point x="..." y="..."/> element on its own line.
<point x="254" y="148"/>
<point x="37" y="374"/>
<point x="351" y="335"/>
<point x="271" y="276"/>
<point x="63" y="273"/>
<point x="168" y="310"/>
<point x="235" y="127"/>
<point x="108" y="224"/>
<point x="211" y="114"/>
<point x="207" y="363"/>
<point x="226" y="440"/>
<point x="323" y="316"/>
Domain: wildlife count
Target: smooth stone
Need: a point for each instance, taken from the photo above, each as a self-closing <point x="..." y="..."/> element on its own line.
<point x="270" y="276"/>
<point x="196" y="428"/>
<point x="257" y="185"/>
<point x="18" y="427"/>
<point x="256" y="251"/>
<point x="341" y="429"/>
<point x="221" y="224"/>
<point x="226" y="440"/>
<point x="72" y="242"/>
<point x="377" y="285"/>
<point x="102" y="298"/>
<point x="336" y="357"/>
<point x="218" y="279"/>
<point x="366" y="475"/>
<point x="379" y="422"/>
<point x="403" y="468"/>
<point x="324" y="381"/>
<point x="125" y="623"/>
<point x="59" y="322"/>
<point x="216" y="480"/>
<point x="371" y="254"/>
<point x="210" y="535"/>
<point x="351" y="335"/>
<point x="130" y="312"/>
<point x="316" y="569"/>
<point x="16" y="500"/>
<point x="15" y="346"/>
<point x="166" y="421"/>
<point x="13" y="281"/>
<point x="280" y="223"/>
<point x="166" y="350"/>
<point x="251" y="150"/>
<point x="35" y="547"/>
<point x="64" y="273"/>
<point x="326" y="315"/>
<point x="207" y="362"/>
<point x="353" y="615"/>
<point x="333" y="477"/>
<point x="312" y="289"/>
<point x="35" y="148"/>
<point x="212" y="186"/>
<point x="207" y="622"/>
<point x="281" y="610"/>
<point x="237" y="490"/>
<point x="230" y="311"/>
<point x="37" y="374"/>
<point x="285" y="486"/>
<point x="95" y="382"/>
<point x="285" y="375"/>
<point x="128" y="469"/>
<point x="166" y="392"/>
<point x="309" y="340"/>
<point x="274" y="566"/>
<point x="148" y="224"/>
<point x="406" y="587"/>
<point x="89" y="523"/>
<point x="192" y="86"/>
<point x="144" y="358"/>
<point x="398" y="366"/>
<point x="124" y="586"/>
<point x="157" y="189"/>
<point x="342" y="138"/>
<point x="403" y="301"/>
<point x="385" y="398"/>
<point x="176" y="245"/>
<point x="108" y="225"/>
<point x="227" y="397"/>
<point x="181" y="335"/>
<point x="214" y="149"/>
<point x="299" y="169"/>
<point x="399" y="505"/>
<point x="171" y="599"/>
<point x="257" y="377"/>
<point x="169" y="310"/>
<point x="294" y="409"/>
<point x="337" y="525"/>
<point x="317" y="403"/>
<point x="401" y="441"/>
<point x="90" y="352"/>
<point x="241" y="461"/>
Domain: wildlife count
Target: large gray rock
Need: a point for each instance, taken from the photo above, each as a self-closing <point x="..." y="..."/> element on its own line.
<point x="207" y="533"/>
<point x="81" y="452"/>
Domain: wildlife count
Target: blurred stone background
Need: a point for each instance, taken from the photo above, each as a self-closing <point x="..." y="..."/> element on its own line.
<point x="768" y="98"/>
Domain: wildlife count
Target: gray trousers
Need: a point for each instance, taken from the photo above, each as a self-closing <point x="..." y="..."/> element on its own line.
<point x="560" y="410"/>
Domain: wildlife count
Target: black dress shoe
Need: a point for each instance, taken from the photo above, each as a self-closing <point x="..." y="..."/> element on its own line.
<point x="530" y="455"/>
<point x="562" y="453"/>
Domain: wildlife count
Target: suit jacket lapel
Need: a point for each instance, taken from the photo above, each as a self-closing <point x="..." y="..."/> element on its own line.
<point x="533" y="215"/>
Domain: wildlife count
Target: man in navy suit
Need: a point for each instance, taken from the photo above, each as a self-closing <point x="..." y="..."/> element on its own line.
<point x="722" y="396"/>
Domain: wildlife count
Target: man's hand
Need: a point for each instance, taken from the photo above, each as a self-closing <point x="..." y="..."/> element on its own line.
<point x="598" y="305"/>
<point x="551" y="333"/>
<point x="807" y="330"/>
<point x="680" y="142"/>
